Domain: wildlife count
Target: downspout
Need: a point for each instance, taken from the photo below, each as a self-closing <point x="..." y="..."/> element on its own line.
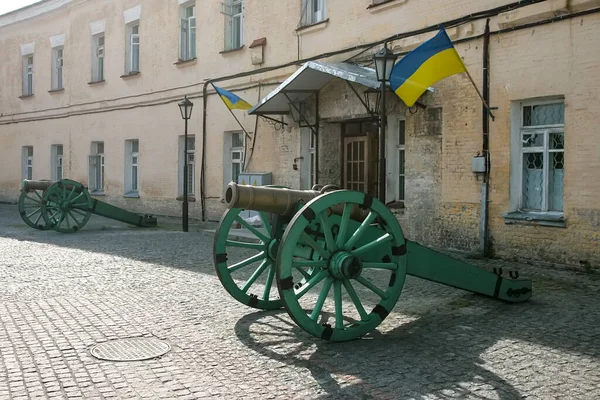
<point x="484" y="246"/>
<point x="203" y="163"/>
<point x="317" y="138"/>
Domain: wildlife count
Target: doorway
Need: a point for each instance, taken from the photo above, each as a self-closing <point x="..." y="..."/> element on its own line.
<point x="359" y="156"/>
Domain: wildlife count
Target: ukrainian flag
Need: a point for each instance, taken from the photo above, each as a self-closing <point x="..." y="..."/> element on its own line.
<point x="429" y="63"/>
<point x="232" y="101"/>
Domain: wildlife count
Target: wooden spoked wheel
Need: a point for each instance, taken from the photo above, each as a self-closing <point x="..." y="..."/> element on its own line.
<point x="30" y="208"/>
<point x="357" y="265"/>
<point x="67" y="206"/>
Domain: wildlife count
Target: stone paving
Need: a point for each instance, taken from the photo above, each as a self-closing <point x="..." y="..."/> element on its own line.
<point x="61" y="294"/>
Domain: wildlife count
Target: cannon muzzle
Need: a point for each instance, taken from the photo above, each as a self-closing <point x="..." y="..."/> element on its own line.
<point x="267" y="199"/>
<point x="29" y="185"/>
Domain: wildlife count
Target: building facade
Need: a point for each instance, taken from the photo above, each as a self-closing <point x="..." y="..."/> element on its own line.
<point x="90" y="91"/>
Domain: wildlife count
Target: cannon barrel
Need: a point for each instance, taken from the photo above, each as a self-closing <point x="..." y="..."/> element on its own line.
<point x="29" y="185"/>
<point x="267" y="199"/>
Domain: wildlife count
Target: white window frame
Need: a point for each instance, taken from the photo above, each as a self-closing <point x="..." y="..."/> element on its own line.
<point x="57" y="164"/>
<point x="132" y="48"/>
<point x="313" y="11"/>
<point x="27" y="162"/>
<point x="312" y="158"/>
<point x="28" y="75"/>
<point x="234" y="11"/>
<point x="132" y="171"/>
<point x="190" y="163"/>
<point x="237" y="149"/>
<point x="517" y="152"/>
<point x="57" y="68"/>
<point x="187" y="31"/>
<point x="98" y="57"/>
<point x="96" y="168"/>
<point x="400" y="175"/>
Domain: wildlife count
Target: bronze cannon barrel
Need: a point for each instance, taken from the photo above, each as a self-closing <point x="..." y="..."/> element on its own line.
<point x="30" y="185"/>
<point x="267" y="199"/>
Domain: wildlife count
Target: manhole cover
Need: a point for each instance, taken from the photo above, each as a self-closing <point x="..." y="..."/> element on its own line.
<point x="132" y="349"/>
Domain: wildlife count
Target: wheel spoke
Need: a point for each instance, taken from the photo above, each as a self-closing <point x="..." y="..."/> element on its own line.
<point x="37" y="193"/>
<point x="269" y="282"/>
<point x="359" y="307"/>
<point x="260" y="256"/>
<point x="309" y="263"/>
<point x="252" y="229"/>
<point x="371" y="245"/>
<point x="309" y="241"/>
<point x="341" y="237"/>
<point x="37" y="210"/>
<point x="74" y="219"/>
<point x="38" y="219"/>
<point x="60" y="221"/>
<point x="77" y="197"/>
<point x="265" y="220"/>
<point x="71" y="193"/>
<point x="360" y="231"/>
<point x="256" y="274"/>
<point x="327" y="231"/>
<point x="32" y="199"/>
<point x="67" y="219"/>
<point x="368" y="284"/>
<point x="374" y="265"/>
<point x="78" y="211"/>
<point x="305" y="274"/>
<point x="337" y="296"/>
<point x="311" y="283"/>
<point x="321" y="300"/>
<point x="245" y="245"/>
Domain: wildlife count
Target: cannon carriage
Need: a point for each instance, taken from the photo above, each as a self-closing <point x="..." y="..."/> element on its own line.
<point x="66" y="206"/>
<point x="336" y="260"/>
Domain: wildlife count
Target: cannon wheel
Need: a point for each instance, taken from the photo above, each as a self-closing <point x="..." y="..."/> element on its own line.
<point x="67" y="206"/>
<point x="30" y="208"/>
<point x="261" y="262"/>
<point x="348" y="255"/>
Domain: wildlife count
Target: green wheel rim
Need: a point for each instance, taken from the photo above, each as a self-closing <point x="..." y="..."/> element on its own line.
<point x="67" y="206"/>
<point x="30" y="209"/>
<point x="347" y="255"/>
<point x="243" y="278"/>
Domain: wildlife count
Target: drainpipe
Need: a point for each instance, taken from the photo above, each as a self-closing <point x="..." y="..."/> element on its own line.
<point x="317" y="138"/>
<point x="484" y="229"/>
<point x="203" y="164"/>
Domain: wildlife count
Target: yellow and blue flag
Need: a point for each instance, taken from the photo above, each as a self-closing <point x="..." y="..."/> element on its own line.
<point x="429" y="63"/>
<point x="232" y="101"/>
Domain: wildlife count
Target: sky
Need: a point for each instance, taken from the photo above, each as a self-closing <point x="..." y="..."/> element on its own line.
<point x="10" y="5"/>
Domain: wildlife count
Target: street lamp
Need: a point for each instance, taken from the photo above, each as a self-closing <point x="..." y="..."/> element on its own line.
<point x="384" y="63"/>
<point x="185" y="107"/>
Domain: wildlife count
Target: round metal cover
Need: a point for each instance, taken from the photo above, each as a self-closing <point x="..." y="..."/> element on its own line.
<point x="131" y="349"/>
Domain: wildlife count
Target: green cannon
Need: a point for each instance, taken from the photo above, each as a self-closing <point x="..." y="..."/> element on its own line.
<point x="336" y="260"/>
<point x="66" y="206"/>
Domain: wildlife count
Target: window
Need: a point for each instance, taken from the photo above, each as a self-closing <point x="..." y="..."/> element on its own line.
<point x="132" y="49"/>
<point x="313" y="11"/>
<point x="56" y="151"/>
<point x="27" y="162"/>
<point x="96" y="159"/>
<point x="541" y="156"/>
<point x="28" y="75"/>
<point x="234" y="23"/>
<point x="57" y="68"/>
<point x="401" y="153"/>
<point x="132" y="154"/>
<point x="313" y="159"/>
<point x="187" y="161"/>
<point x="98" y="58"/>
<point x="237" y="155"/>
<point x="187" y="34"/>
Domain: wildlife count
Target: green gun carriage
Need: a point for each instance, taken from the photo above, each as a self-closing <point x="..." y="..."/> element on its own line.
<point x="336" y="260"/>
<point x="66" y="206"/>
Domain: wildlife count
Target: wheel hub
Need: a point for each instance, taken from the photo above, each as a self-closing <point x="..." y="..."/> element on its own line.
<point x="344" y="265"/>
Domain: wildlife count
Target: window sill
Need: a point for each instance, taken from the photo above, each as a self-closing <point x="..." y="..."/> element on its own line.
<point x="232" y="50"/>
<point x="385" y="5"/>
<point x="191" y="198"/>
<point x="317" y="26"/>
<point x="94" y="83"/>
<point x="132" y="195"/>
<point x="185" y="63"/>
<point x="130" y="75"/>
<point x="553" y="219"/>
<point x="56" y="90"/>
<point x="97" y="193"/>
<point x="26" y="96"/>
<point x="395" y="205"/>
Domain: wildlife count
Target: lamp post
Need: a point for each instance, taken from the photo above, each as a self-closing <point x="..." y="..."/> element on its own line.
<point x="185" y="107"/>
<point x="384" y="63"/>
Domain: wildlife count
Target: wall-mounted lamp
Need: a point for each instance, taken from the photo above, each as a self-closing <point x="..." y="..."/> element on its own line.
<point x="295" y="166"/>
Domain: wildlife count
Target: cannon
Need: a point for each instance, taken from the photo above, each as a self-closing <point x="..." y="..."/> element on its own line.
<point x="66" y="206"/>
<point x="336" y="260"/>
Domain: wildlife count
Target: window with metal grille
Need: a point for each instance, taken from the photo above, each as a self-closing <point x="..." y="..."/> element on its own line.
<point x="28" y="75"/>
<point x="542" y="138"/>
<point x="187" y="32"/>
<point x="96" y="168"/>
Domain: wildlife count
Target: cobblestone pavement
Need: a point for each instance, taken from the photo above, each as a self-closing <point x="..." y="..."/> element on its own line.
<point x="61" y="294"/>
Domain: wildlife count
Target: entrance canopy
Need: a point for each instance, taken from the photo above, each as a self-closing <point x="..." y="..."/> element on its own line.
<point x="309" y="79"/>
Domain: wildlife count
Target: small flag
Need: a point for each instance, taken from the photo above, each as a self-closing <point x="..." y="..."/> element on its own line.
<point x="232" y="101"/>
<point x="429" y="63"/>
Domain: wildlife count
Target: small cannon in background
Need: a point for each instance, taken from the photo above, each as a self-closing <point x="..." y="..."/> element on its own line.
<point x="316" y="242"/>
<point x="66" y="206"/>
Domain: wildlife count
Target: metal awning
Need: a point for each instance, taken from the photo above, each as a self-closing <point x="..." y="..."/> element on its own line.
<point x="307" y="80"/>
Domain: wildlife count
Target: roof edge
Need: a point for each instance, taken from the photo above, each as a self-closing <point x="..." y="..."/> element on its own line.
<point x="31" y="11"/>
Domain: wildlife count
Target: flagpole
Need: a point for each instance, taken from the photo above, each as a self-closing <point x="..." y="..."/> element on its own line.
<point x="239" y="123"/>
<point x="480" y="95"/>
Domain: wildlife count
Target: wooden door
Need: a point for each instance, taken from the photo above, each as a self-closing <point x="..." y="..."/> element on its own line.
<point x="356" y="166"/>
